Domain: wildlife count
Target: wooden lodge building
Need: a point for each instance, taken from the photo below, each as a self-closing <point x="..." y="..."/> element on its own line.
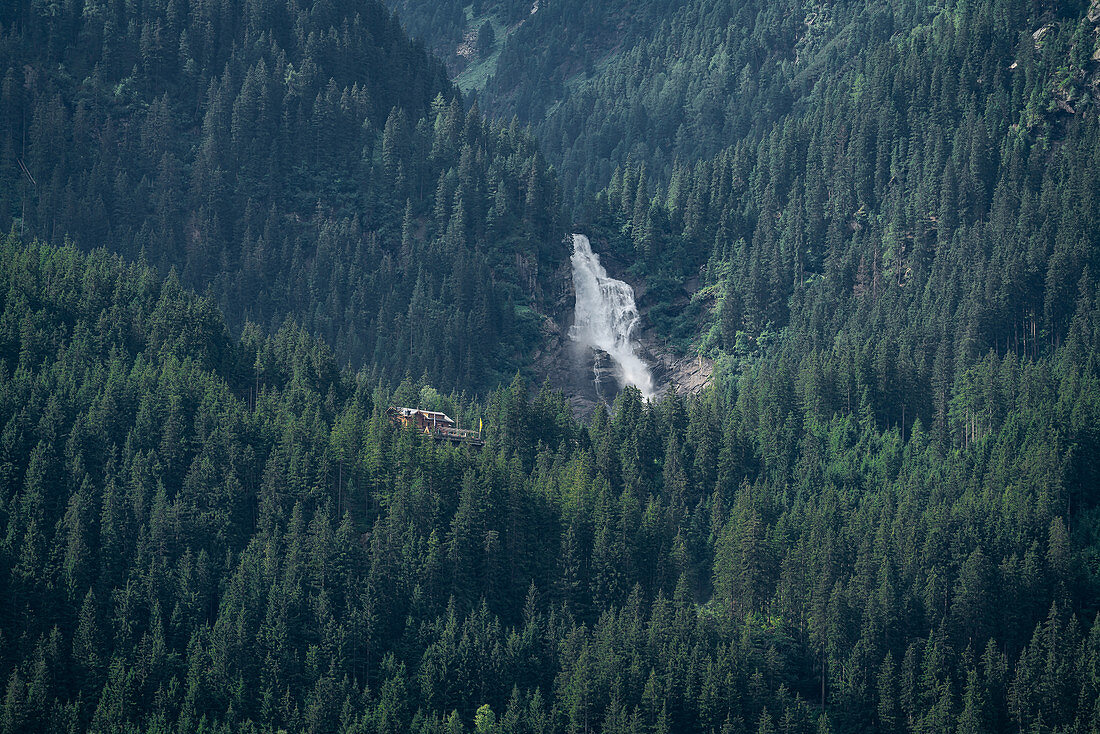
<point x="420" y="419"/>
<point x="439" y="426"/>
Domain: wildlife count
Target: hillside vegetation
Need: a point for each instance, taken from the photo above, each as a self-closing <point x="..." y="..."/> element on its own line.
<point x="295" y="161"/>
<point x="879" y="219"/>
<point x="204" y="533"/>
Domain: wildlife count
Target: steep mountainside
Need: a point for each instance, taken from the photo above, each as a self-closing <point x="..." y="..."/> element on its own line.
<point x="203" y="533"/>
<point x="909" y="216"/>
<point x="910" y="181"/>
<point x="879" y="220"/>
<point x="305" y="161"/>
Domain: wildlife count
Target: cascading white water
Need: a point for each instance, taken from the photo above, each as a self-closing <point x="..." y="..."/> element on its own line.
<point x="605" y="316"/>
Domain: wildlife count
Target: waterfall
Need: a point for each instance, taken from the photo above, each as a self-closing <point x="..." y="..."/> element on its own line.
<point x="605" y="316"/>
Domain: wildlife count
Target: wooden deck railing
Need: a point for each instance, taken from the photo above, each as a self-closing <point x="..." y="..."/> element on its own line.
<point x="457" y="434"/>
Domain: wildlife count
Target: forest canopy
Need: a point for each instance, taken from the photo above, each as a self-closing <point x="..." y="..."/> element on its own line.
<point x="304" y="162"/>
<point x="239" y="232"/>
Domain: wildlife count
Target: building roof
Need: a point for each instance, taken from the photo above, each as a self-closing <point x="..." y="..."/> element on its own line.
<point x="432" y="416"/>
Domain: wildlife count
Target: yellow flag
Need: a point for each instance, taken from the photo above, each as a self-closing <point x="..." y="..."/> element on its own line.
<point x="480" y="424"/>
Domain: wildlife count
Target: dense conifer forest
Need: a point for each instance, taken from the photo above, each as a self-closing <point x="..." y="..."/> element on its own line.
<point x="239" y="232"/>
<point x="304" y="161"/>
